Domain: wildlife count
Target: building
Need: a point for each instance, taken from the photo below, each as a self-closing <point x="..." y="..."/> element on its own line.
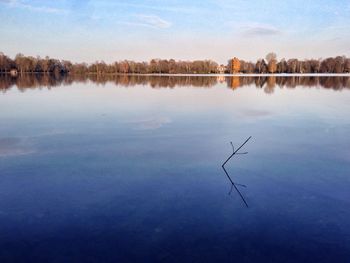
<point x="221" y="69"/>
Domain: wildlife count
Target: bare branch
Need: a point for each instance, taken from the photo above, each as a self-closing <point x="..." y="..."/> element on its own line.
<point x="234" y="152"/>
<point x="223" y="167"/>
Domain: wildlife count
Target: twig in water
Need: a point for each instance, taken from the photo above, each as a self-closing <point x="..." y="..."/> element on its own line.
<point x="223" y="167"/>
<point x="236" y="152"/>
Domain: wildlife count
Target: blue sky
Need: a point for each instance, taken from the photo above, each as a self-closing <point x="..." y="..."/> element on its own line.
<point x="207" y="29"/>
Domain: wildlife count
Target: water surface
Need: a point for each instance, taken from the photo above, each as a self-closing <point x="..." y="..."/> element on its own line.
<point x="128" y="169"/>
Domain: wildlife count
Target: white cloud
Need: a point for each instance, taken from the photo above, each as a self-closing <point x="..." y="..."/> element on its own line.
<point x="261" y="31"/>
<point x="158" y="7"/>
<point x="256" y="29"/>
<point x="152" y="21"/>
<point x="22" y="5"/>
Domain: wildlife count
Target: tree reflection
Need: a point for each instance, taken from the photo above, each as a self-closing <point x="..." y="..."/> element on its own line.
<point x="267" y="83"/>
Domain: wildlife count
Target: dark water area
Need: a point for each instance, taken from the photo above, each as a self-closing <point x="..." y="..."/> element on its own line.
<point x="128" y="169"/>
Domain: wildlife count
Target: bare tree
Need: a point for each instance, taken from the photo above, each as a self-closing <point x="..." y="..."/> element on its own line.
<point x="271" y="56"/>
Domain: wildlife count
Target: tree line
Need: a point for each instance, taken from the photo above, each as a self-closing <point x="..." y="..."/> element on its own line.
<point x="28" y="64"/>
<point x="339" y="64"/>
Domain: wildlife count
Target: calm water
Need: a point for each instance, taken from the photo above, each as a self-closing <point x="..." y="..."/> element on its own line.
<point x="128" y="169"/>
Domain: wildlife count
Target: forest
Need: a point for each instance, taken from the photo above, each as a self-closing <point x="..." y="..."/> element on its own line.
<point x="21" y="64"/>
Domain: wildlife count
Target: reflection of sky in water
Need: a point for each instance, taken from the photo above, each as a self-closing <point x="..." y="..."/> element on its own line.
<point x="104" y="173"/>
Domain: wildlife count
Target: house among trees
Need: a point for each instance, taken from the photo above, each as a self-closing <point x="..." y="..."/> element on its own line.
<point x="221" y="69"/>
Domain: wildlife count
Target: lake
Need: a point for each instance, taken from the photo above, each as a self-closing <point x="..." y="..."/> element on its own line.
<point x="128" y="169"/>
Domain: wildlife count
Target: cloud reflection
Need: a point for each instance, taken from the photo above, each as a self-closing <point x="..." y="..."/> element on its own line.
<point x="152" y="123"/>
<point x="13" y="147"/>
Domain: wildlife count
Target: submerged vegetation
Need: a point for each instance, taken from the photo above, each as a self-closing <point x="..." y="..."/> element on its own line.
<point x="28" y="64"/>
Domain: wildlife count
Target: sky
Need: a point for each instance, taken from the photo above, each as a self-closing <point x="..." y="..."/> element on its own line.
<point x="87" y="31"/>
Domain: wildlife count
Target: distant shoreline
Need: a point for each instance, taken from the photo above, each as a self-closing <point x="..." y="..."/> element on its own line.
<point x="332" y="66"/>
